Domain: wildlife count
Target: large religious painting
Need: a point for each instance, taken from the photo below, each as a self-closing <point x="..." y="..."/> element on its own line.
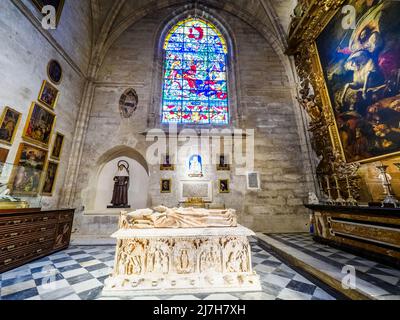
<point x="28" y="169"/>
<point x="195" y="82"/>
<point x="361" y="66"/>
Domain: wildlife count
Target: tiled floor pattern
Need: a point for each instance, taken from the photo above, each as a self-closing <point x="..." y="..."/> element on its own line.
<point x="382" y="276"/>
<point x="79" y="273"/>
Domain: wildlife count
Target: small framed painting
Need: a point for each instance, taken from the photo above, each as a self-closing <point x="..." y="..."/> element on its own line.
<point x="3" y="158"/>
<point x="48" y="95"/>
<point x="4" y="155"/>
<point x="39" y="126"/>
<point x="223" y="163"/>
<point x="224" y="186"/>
<point x="54" y="71"/>
<point x="57" y="146"/>
<point x="166" y="185"/>
<point x="57" y="4"/>
<point x="27" y="174"/>
<point x="253" y="181"/>
<point x="9" y="125"/>
<point x="166" y="163"/>
<point x="50" y="179"/>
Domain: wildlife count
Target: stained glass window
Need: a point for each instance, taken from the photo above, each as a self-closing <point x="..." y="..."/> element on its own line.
<point x="195" y="82"/>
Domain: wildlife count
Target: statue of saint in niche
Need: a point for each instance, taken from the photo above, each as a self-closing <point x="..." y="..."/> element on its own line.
<point x="121" y="186"/>
<point x="195" y="166"/>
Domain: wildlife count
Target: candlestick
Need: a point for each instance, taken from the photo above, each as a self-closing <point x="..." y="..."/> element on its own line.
<point x="328" y="184"/>
<point x="339" y="200"/>
<point x="390" y="199"/>
<point x="351" y="201"/>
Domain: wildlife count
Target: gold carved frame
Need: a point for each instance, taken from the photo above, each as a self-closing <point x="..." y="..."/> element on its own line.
<point x="45" y="176"/>
<point x="31" y="140"/>
<point x="52" y="156"/>
<point x="302" y="43"/>
<point x="3" y="116"/>
<point x="44" y="85"/>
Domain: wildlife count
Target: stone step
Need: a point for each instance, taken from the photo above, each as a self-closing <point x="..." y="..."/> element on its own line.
<point x="328" y="273"/>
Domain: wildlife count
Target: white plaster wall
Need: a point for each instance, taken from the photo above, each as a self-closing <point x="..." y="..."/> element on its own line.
<point x="138" y="187"/>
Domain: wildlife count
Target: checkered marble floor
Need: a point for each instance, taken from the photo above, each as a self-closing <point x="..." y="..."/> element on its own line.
<point x="384" y="277"/>
<point x="79" y="274"/>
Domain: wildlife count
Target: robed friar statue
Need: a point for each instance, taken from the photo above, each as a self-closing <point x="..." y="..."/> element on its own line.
<point x="121" y="186"/>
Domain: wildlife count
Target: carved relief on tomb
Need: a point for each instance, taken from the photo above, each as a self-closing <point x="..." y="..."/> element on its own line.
<point x="236" y="255"/>
<point x="158" y="258"/>
<point x="137" y="257"/>
<point x="184" y="257"/>
<point x="131" y="257"/>
<point x="210" y="257"/>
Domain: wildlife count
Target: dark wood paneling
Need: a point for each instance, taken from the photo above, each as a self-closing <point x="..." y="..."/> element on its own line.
<point x="368" y="231"/>
<point x="30" y="234"/>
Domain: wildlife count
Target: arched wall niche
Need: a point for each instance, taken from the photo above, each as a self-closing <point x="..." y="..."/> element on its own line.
<point x="99" y="192"/>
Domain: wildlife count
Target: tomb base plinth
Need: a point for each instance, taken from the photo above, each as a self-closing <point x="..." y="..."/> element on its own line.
<point x="173" y="261"/>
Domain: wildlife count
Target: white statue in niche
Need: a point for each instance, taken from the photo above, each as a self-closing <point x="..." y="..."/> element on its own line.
<point x="195" y="166"/>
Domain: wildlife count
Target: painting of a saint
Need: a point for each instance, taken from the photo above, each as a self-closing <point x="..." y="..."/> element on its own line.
<point x="39" y="126"/>
<point x="8" y="125"/>
<point x="224" y="186"/>
<point x="361" y="67"/>
<point x="48" y="95"/>
<point x="195" y="166"/>
<point x="57" y="147"/>
<point x="29" y="166"/>
<point x="50" y="179"/>
<point x="166" y="186"/>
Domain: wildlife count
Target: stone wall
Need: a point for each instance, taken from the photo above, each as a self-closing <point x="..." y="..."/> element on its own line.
<point x="265" y="102"/>
<point x="26" y="49"/>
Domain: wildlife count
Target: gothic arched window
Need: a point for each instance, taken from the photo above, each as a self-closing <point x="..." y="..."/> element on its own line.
<point x="195" y="74"/>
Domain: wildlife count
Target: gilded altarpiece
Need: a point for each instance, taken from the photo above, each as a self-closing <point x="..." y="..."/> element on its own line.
<point x="347" y="58"/>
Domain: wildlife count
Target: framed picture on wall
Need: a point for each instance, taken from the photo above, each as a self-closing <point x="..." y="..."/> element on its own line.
<point x="57" y="4"/>
<point x="223" y="163"/>
<point x="253" y="181"/>
<point x="54" y="71"/>
<point x="39" y="126"/>
<point x="166" y="186"/>
<point x="166" y="163"/>
<point x="9" y="123"/>
<point x="27" y="174"/>
<point x="4" y="155"/>
<point x="57" y="146"/>
<point x="50" y="177"/>
<point x="361" y="69"/>
<point x="48" y="95"/>
<point x="3" y="158"/>
<point x="223" y="186"/>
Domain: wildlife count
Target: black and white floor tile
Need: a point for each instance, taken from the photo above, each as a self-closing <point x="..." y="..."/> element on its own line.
<point x="79" y="272"/>
<point x="385" y="278"/>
